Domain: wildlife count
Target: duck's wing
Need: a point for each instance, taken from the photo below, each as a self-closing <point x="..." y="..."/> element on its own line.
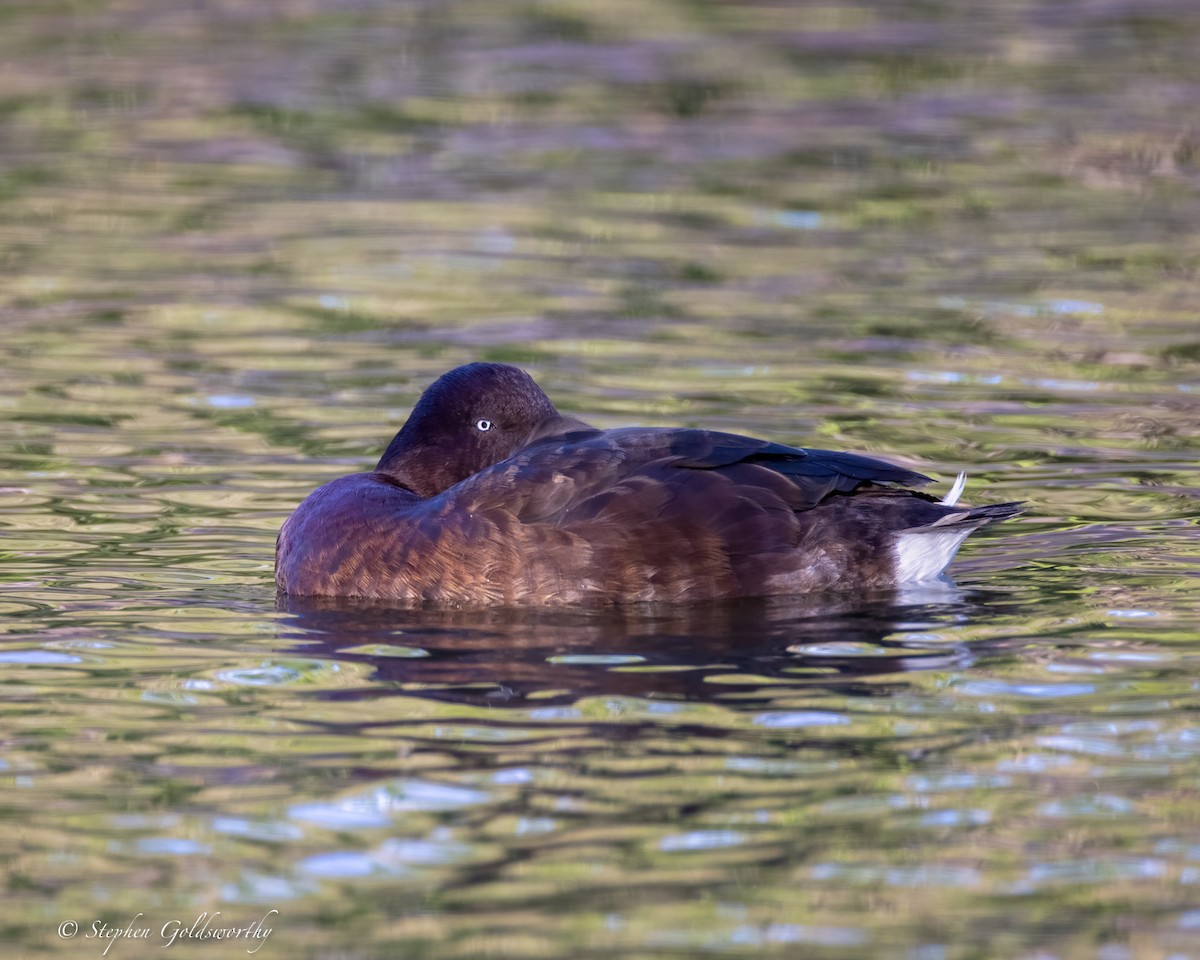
<point x="813" y="474"/>
<point x="559" y="472"/>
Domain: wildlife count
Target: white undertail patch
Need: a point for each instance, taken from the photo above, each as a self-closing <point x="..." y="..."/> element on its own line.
<point x="925" y="553"/>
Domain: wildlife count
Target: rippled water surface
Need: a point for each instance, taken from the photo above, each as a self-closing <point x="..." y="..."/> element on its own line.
<point x="237" y="239"/>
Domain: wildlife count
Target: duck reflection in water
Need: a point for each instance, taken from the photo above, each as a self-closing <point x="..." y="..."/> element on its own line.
<point x="539" y="658"/>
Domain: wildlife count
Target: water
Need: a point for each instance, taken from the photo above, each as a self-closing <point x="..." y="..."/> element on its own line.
<point x="237" y="240"/>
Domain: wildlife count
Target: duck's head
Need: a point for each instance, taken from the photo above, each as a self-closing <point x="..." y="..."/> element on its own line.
<point x="468" y="419"/>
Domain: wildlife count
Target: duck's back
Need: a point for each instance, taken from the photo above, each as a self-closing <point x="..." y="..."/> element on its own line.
<point x="581" y="515"/>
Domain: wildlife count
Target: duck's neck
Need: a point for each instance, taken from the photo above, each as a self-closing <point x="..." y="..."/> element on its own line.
<point x="401" y="464"/>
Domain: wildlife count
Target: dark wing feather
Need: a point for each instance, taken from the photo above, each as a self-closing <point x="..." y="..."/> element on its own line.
<point x="706" y="450"/>
<point x="561" y="468"/>
<point x="814" y="474"/>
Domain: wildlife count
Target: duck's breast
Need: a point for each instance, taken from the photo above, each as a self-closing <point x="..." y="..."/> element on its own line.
<point x="364" y="536"/>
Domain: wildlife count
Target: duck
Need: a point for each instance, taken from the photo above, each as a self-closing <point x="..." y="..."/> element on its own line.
<point x="489" y="496"/>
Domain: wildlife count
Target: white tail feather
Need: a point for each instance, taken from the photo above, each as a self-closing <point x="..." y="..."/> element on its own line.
<point x="951" y="498"/>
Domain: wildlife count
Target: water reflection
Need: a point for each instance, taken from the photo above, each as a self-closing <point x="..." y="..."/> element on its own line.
<point x="237" y="238"/>
<point x="745" y="652"/>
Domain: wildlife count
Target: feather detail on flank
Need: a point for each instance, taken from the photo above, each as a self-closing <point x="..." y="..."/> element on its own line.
<point x="923" y="553"/>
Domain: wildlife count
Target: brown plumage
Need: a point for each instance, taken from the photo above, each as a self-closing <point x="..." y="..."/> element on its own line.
<point x="489" y="496"/>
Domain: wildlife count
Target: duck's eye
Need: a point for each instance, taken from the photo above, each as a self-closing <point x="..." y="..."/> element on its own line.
<point x="483" y="424"/>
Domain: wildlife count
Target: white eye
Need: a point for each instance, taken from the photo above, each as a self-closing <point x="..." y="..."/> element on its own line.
<point x="483" y="424"/>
